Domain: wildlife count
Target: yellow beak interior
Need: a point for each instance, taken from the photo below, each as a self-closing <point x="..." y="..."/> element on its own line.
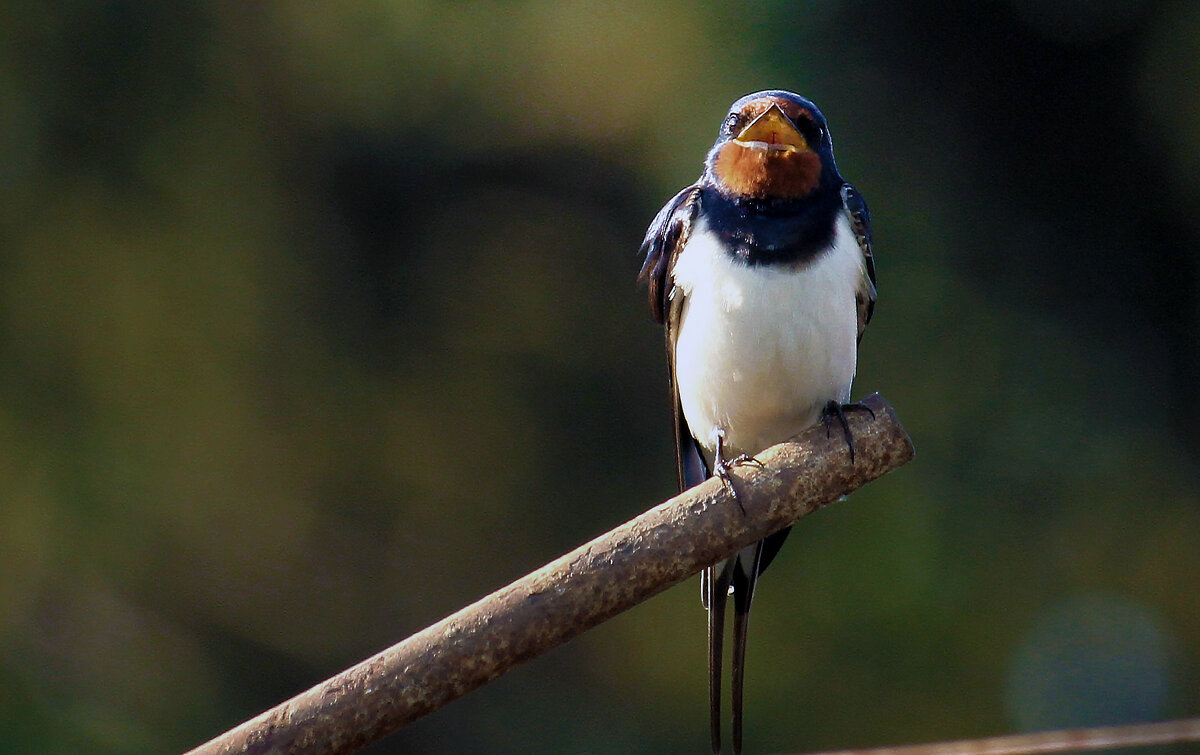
<point x="772" y="131"/>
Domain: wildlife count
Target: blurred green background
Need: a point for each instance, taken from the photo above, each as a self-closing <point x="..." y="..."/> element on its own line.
<point x="318" y="321"/>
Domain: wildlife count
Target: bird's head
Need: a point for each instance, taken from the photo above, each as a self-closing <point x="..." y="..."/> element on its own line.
<point x="773" y="145"/>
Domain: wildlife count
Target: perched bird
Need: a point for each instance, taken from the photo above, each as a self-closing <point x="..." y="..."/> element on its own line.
<point x="762" y="274"/>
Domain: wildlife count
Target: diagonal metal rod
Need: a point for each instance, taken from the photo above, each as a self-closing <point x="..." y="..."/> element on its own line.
<point x="1047" y="742"/>
<point x="574" y="593"/>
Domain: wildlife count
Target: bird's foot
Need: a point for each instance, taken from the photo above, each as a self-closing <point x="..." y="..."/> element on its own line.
<point x="837" y="410"/>
<point x="746" y="459"/>
<point x="722" y="467"/>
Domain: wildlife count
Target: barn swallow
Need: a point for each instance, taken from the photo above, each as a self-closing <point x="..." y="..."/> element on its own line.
<point x="762" y="274"/>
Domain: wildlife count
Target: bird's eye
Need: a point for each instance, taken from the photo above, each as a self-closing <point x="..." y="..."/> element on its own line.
<point x="813" y="131"/>
<point x="731" y="122"/>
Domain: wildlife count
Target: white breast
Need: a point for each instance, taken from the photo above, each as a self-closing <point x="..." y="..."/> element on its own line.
<point x="761" y="349"/>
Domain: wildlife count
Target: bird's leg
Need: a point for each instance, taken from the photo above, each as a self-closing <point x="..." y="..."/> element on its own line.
<point x="836" y="409"/>
<point x="722" y="466"/>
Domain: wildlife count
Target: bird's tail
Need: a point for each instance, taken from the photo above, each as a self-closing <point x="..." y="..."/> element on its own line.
<point x="741" y="573"/>
<point x="744" y="581"/>
<point x="715" y="591"/>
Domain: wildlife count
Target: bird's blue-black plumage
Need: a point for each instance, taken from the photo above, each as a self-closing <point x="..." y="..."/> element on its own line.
<point x="768" y="235"/>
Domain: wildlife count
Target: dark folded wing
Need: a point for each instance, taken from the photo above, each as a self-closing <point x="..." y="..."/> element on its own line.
<point x="860" y="223"/>
<point x="665" y="238"/>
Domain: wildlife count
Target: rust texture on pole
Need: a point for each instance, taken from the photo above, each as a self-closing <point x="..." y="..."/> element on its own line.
<point x="579" y="590"/>
<point x="1047" y="742"/>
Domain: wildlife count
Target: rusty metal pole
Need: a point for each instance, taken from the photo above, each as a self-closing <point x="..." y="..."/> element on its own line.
<point x="577" y="591"/>
<point x="1052" y="742"/>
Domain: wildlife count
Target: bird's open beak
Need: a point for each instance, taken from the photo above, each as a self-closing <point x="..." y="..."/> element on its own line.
<point x="773" y="132"/>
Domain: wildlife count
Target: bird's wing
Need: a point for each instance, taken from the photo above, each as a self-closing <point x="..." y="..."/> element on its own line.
<point x="860" y="222"/>
<point x="665" y="238"/>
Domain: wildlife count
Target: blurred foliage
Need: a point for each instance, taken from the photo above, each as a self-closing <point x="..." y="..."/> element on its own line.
<point x="318" y="322"/>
